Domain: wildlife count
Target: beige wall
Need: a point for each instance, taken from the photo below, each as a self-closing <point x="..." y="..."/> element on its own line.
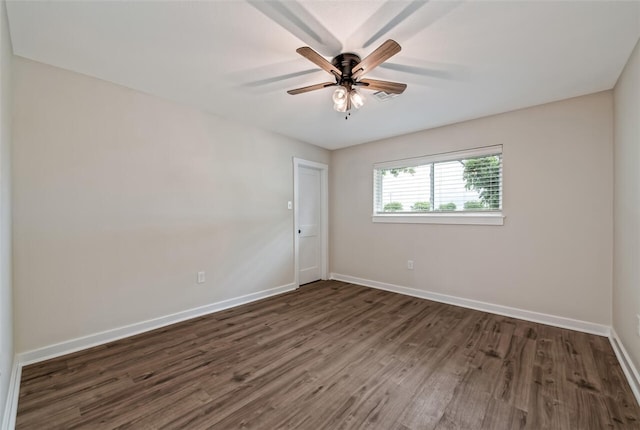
<point x="120" y="198"/>
<point x="6" y="314"/>
<point x="626" y="253"/>
<point x="553" y="254"/>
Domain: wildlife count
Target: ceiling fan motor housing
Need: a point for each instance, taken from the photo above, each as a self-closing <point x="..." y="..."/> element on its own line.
<point x="345" y="63"/>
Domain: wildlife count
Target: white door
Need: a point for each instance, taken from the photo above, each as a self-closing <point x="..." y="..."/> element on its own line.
<point x="309" y="224"/>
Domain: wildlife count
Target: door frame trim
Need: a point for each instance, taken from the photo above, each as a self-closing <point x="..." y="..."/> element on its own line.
<point x="324" y="217"/>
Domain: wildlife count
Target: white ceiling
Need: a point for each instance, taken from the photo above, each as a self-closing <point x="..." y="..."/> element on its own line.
<point x="229" y="58"/>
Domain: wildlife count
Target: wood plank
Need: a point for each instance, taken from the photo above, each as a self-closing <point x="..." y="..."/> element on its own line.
<point x="501" y="414"/>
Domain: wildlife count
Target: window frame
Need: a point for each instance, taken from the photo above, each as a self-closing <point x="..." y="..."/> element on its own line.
<point x="495" y="217"/>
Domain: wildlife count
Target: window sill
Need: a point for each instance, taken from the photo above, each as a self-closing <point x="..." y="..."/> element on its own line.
<point x="448" y="218"/>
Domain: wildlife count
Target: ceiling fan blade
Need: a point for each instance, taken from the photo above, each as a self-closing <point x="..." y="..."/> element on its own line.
<point x="385" y="51"/>
<point x="386" y="86"/>
<point x="312" y="88"/>
<point x="318" y="59"/>
<point x="294" y="18"/>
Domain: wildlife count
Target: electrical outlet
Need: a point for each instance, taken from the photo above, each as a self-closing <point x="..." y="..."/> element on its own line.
<point x="289" y="205"/>
<point x="410" y="264"/>
<point x="201" y="277"/>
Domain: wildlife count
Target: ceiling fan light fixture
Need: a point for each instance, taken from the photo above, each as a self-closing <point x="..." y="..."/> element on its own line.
<point x="357" y="101"/>
<point x="340" y="107"/>
<point x="340" y="96"/>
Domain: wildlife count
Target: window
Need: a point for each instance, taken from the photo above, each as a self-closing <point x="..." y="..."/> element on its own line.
<point x="463" y="187"/>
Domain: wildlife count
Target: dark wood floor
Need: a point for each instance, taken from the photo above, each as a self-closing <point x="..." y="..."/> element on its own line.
<point x="336" y="356"/>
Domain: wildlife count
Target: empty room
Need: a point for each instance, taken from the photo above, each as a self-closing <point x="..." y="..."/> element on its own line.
<point x="318" y="214"/>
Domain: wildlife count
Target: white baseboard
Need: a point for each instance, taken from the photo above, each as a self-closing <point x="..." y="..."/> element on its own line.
<point x="552" y="320"/>
<point x="73" y="345"/>
<point x="11" y="405"/>
<point x="630" y="371"/>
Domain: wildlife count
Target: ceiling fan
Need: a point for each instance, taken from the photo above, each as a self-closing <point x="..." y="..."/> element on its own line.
<point x="347" y="70"/>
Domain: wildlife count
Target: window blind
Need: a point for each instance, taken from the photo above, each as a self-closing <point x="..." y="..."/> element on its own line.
<point x="463" y="181"/>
